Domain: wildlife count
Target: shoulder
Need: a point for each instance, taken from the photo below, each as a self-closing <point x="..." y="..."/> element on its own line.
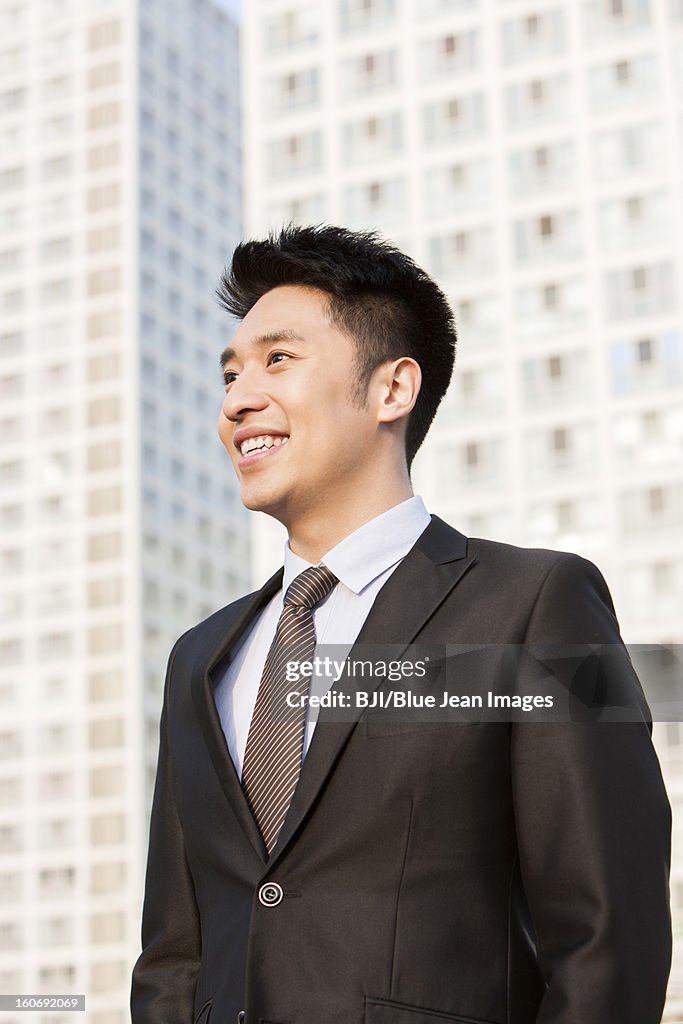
<point x="538" y="562"/>
<point x="207" y="634"/>
<point x="443" y="540"/>
<point x="215" y="625"/>
<point x="553" y="575"/>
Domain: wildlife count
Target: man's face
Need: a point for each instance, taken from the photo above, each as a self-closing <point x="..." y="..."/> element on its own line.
<point x="297" y="440"/>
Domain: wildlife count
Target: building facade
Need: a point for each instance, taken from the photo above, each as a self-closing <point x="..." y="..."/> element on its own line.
<point x="119" y="523"/>
<point x="529" y="156"/>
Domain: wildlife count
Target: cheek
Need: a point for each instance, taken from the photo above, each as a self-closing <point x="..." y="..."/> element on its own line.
<point x="225" y="429"/>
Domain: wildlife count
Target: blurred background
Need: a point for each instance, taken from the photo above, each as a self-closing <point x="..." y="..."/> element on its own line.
<point x="528" y="154"/>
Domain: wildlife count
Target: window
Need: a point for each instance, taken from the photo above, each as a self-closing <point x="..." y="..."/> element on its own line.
<point x="55" y="167"/>
<point x="103" y="75"/>
<point x="104" y="411"/>
<point x="294" y="154"/>
<point x="622" y="84"/>
<point x="361" y="15"/>
<point x="634" y="208"/>
<point x="630" y="149"/>
<point x="103" y="325"/>
<point x="104" y="456"/>
<point x="369" y="73"/>
<point x="56" y="291"/>
<point x="292" y="28"/>
<point x="640" y="290"/>
<point x="104" y="34"/>
<point x="104" y="116"/>
<point x="11" y="839"/>
<point x="442" y="56"/>
<point x="472" y="457"/>
<point x="104" y="546"/>
<point x="57" y="833"/>
<point x="537" y="90"/>
<point x="105" y="639"/>
<point x="538" y="100"/>
<point x="11" y="343"/>
<point x="295" y="90"/>
<point x="55" y="249"/>
<point x="107" y="829"/>
<point x="103" y="197"/>
<point x="456" y="117"/>
<point x="56" y="881"/>
<point x="104" y="501"/>
<point x="107" y="878"/>
<point x="533" y="35"/>
<point x="372" y="137"/>
<point x="11" y="385"/>
<point x="104" y="239"/>
<point x="106" y="155"/>
<point x="104" y="687"/>
<point x="644" y="350"/>
<point x="104" y="368"/>
<point x="555" y="367"/>
<point x="545" y="226"/>
<point x="12" y="178"/>
<point x="106" y="734"/>
<point x="108" y="977"/>
<point x="104" y="282"/>
<point x="559" y="440"/>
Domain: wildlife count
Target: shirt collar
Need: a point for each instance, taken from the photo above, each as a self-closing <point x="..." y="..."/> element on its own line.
<point x="371" y="549"/>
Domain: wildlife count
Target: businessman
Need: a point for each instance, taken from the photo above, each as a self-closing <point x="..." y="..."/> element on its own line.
<point x="358" y="870"/>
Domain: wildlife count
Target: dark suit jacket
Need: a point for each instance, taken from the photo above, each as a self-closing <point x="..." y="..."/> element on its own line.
<point x="482" y="874"/>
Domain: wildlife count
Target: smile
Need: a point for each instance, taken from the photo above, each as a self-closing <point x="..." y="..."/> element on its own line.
<point x="256" y="448"/>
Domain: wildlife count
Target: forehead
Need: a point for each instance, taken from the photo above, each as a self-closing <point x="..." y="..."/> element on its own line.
<point x="291" y="307"/>
<point x="289" y="313"/>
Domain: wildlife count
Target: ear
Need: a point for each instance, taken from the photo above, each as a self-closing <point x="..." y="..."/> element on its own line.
<point x="398" y="386"/>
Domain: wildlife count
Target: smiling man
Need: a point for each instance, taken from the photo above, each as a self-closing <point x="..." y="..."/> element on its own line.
<point x="313" y="440"/>
<point x="359" y="871"/>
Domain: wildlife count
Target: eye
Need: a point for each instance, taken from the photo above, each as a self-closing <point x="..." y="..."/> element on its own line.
<point x="275" y="357"/>
<point x="229" y="377"/>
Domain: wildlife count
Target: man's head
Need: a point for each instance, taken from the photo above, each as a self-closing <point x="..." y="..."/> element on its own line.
<point x="378" y="296"/>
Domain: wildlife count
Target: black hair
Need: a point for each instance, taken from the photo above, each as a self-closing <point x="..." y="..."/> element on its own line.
<point x="378" y="296"/>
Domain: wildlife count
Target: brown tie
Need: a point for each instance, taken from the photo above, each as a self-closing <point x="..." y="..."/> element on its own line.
<point x="272" y="759"/>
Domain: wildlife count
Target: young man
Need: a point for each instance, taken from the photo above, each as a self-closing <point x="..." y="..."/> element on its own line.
<point x="360" y="871"/>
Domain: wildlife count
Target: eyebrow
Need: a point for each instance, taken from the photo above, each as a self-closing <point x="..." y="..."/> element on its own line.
<point x="260" y="341"/>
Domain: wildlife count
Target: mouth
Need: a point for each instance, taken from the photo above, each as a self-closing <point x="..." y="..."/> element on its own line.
<point x="255" y="449"/>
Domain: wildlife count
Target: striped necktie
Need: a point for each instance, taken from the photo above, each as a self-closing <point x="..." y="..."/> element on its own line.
<point x="272" y="759"/>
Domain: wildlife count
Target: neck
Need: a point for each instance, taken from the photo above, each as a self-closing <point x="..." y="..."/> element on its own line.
<point x="314" y="534"/>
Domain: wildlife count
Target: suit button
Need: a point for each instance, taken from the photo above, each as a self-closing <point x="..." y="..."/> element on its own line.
<point x="241" y="1017"/>
<point x="270" y="894"/>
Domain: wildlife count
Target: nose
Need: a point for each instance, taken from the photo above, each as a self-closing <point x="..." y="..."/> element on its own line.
<point x="244" y="395"/>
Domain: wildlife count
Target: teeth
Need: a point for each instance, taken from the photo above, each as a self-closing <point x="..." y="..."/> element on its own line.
<point x="253" y="444"/>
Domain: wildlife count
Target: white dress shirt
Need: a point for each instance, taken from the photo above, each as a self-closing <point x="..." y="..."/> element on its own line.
<point x="362" y="562"/>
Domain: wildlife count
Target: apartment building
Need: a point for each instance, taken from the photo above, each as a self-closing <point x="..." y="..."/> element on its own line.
<point x="119" y="523"/>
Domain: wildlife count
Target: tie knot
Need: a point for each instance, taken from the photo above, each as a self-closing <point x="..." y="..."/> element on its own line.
<point x="310" y="587"/>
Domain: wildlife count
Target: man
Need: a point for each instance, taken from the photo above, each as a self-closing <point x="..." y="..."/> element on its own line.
<point x="362" y="871"/>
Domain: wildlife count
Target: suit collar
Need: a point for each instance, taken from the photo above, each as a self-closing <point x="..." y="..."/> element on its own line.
<point x="226" y="627"/>
<point x="366" y="553"/>
<point x="428" y="573"/>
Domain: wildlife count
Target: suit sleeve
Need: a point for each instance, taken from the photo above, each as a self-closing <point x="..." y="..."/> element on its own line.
<point x="594" y="826"/>
<point x="164" y="977"/>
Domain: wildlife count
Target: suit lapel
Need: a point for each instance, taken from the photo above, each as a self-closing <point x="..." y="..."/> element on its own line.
<point x="411" y="595"/>
<point x="216" y="646"/>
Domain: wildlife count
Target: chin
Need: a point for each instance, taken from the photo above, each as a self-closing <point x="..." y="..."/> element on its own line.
<point x="256" y="502"/>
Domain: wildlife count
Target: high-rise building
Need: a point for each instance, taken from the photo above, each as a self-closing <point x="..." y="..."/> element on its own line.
<point x="529" y="156"/>
<point x="119" y="523"/>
